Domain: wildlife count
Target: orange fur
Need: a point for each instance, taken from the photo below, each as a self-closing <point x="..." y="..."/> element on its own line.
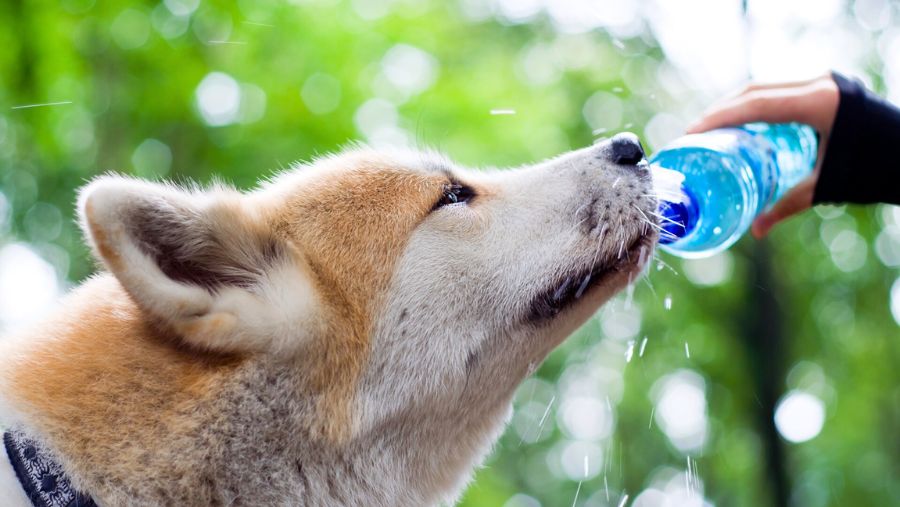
<point x="347" y="226"/>
<point x="352" y="226"/>
<point x="103" y="368"/>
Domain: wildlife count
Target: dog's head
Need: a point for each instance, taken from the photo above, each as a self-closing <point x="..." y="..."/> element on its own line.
<point x="395" y="281"/>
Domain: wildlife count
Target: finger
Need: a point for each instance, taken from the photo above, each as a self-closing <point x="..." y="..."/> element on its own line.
<point x="794" y="201"/>
<point x="814" y="104"/>
<point x="768" y="106"/>
<point x="752" y="87"/>
<point x="757" y="87"/>
<point x="722" y="114"/>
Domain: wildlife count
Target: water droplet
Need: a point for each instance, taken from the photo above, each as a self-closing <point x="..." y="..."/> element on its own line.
<point x="687" y="350"/>
<point x="659" y="266"/>
<point x="717" y="231"/>
<point x="629" y="295"/>
<point x="667" y="302"/>
<point x="643" y="346"/>
<point x="629" y="352"/>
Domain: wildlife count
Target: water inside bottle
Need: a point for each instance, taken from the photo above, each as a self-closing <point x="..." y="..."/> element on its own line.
<point x="729" y="176"/>
<point x="713" y="211"/>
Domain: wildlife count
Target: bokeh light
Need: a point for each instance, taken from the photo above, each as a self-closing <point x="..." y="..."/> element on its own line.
<point x="321" y="93"/>
<point x="152" y="159"/>
<point x="681" y="409"/>
<point x="799" y="416"/>
<point x="709" y="271"/>
<point x="895" y="300"/>
<point x="219" y="99"/>
<point x="378" y="121"/>
<point x="28" y="287"/>
<point x="409" y="70"/>
<point x="131" y="29"/>
<point x="181" y="7"/>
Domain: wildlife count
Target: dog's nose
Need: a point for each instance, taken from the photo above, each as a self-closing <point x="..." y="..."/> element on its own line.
<point x="626" y="149"/>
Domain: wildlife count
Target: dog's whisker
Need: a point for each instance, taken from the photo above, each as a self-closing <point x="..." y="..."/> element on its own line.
<point x="667" y="219"/>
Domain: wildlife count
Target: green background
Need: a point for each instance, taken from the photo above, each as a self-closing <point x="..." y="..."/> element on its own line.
<point x="809" y="309"/>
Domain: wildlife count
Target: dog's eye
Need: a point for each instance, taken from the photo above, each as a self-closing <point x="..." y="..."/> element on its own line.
<point x="454" y="194"/>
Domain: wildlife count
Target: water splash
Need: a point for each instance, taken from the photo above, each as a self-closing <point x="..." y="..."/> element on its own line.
<point x="577" y="491"/>
<point x="691" y="477"/>
<point x="45" y="104"/>
<point x="688" y="482"/>
<point x="544" y="417"/>
<point x="629" y="294"/>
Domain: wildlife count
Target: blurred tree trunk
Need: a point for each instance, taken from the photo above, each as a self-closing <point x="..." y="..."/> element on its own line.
<point x="763" y="335"/>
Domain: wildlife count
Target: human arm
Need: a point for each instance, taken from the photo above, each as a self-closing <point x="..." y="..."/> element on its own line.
<point x="856" y="132"/>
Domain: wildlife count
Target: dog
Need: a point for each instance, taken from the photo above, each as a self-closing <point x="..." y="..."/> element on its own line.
<point x="351" y="332"/>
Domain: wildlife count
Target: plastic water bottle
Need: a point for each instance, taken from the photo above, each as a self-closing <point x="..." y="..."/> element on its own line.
<point x="712" y="185"/>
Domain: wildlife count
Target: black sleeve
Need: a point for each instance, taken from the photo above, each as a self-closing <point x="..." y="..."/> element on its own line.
<point x="861" y="163"/>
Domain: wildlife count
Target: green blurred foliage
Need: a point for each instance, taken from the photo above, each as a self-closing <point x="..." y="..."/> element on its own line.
<point x="129" y="72"/>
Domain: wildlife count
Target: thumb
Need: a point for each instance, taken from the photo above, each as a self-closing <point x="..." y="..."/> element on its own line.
<point x="794" y="201"/>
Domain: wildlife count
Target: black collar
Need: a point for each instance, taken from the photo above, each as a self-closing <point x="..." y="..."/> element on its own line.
<point x="42" y="478"/>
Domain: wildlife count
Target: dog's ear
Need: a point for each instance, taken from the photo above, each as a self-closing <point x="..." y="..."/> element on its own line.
<point x="202" y="263"/>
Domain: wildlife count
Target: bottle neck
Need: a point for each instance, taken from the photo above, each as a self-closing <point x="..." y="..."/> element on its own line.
<point x="678" y="217"/>
<point x="677" y="207"/>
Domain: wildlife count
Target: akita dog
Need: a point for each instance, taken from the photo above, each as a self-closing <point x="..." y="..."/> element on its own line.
<point x="349" y="333"/>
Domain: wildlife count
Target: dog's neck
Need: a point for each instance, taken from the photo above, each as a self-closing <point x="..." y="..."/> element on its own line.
<point x="226" y="431"/>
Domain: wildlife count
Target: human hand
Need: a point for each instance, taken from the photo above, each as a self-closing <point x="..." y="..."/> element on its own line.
<point x="813" y="102"/>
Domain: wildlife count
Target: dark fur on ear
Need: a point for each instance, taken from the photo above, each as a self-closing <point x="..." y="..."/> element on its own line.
<point x="203" y="263"/>
<point x="189" y="248"/>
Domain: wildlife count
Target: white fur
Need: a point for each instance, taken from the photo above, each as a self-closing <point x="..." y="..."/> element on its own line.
<point x="264" y="318"/>
<point x="450" y="344"/>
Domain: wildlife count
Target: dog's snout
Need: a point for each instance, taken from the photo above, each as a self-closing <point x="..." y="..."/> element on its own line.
<point x="626" y="149"/>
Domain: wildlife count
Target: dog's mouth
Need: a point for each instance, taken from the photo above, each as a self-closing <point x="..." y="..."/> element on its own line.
<point x="573" y="286"/>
